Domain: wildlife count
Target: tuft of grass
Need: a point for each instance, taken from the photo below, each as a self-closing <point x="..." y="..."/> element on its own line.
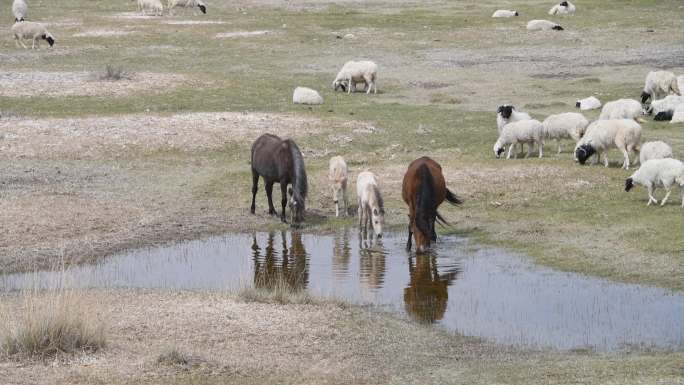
<point x="115" y="73"/>
<point x="51" y="323"/>
<point x="173" y="357"/>
<point x="275" y="289"/>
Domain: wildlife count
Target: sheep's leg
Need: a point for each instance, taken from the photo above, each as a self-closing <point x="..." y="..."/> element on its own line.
<point x="651" y="199"/>
<point x="369" y="84"/>
<point x="529" y="150"/>
<point x="510" y="150"/>
<point x="22" y="44"/>
<point x="667" y="196"/>
<point x="625" y="163"/>
<point x="605" y="159"/>
<point x="682" y="191"/>
<point x="33" y="46"/>
<point x="541" y="150"/>
<point x="350" y="86"/>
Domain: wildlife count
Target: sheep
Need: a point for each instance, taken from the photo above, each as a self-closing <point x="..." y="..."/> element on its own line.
<point x="589" y="103"/>
<point x="658" y="173"/>
<point x="602" y="135"/>
<point x="621" y="109"/>
<point x="354" y="72"/>
<point x="654" y="150"/>
<point x="337" y="174"/>
<point x="563" y="8"/>
<point x="19" y="9"/>
<point x="504" y="13"/>
<point x="678" y="114"/>
<point x="153" y="5"/>
<point x="523" y="131"/>
<point x="680" y="82"/>
<point x="506" y="113"/>
<point x="543" y="25"/>
<point x="569" y="125"/>
<point x="663" y="109"/>
<point x="659" y="83"/>
<point x="31" y="30"/>
<point x="187" y="4"/>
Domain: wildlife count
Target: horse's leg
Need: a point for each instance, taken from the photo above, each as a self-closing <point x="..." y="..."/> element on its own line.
<point x="283" y="200"/>
<point x="255" y="184"/>
<point x="359" y="210"/>
<point x="344" y="196"/>
<point x="269" y="194"/>
<point x="408" y="242"/>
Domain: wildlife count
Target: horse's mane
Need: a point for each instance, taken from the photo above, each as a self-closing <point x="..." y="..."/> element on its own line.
<point x="299" y="185"/>
<point x="378" y="198"/>
<point x="426" y="204"/>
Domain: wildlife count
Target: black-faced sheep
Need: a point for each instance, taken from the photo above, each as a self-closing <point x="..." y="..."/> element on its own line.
<point x="659" y="84"/>
<point x="187" y="4"/>
<point x="658" y="173"/>
<point x="602" y="135"/>
<point x="563" y="8"/>
<point x="354" y="72"/>
<point x="522" y="131"/>
<point x="543" y="25"/>
<point x="30" y="30"/>
<point x="654" y="150"/>
<point x="568" y="125"/>
<point x="504" y="13"/>
<point x="621" y="109"/>
<point x="590" y="103"/>
<point x="19" y="9"/>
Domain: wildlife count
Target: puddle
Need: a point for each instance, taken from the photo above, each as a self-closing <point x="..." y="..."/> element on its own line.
<point x="474" y="291"/>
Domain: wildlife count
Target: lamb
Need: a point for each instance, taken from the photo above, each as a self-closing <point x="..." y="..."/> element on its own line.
<point x="153" y="5"/>
<point x="658" y="173"/>
<point x="31" y="30"/>
<point x="563" y="8"/>
<point x="602" y="135"/>
<point x="354" y="72"/>
<point x="589" y="103"/>
<point x="663" y="109"/>
<point x="337" y="174"/>
<point x="523" y="131"/>
<point x="187" y="4"/>
<point x="19" y="9"/>
<point x="569" y="125"/>
<point x="654" y="150"/>
<point x="659" y="83"/>
<point x="621" y="109"/>
<point x="504" y="13"/>
<point x="543" y="25"/>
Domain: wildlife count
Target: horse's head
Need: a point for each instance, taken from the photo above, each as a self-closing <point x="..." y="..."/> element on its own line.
<point x="338" y="190"/>
<point x="297" y="208"/>
<point x="378" y="220"/>
<point x="423" y="229"/>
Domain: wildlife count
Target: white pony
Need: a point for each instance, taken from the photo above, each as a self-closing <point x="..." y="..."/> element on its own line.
<point x="371" y="207"/>
<point x="337" y="174"/>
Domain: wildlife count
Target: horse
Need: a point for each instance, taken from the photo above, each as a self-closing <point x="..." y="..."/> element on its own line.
<point x="423" y="190"/>
<point x="371" y="208"/>
<point x="337" y="174"/>
<point x="280" y="161"/>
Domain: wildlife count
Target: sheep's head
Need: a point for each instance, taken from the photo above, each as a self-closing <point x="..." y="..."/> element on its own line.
<point x="49" y="38"/>
<point x="557" y="28"/>
<point x="564" y="4"/>
<point x="499" y="149"/>
<point x="202" y="7"/>
<point x="516" y="13"/>
<point x="340" y="85"/>
<point x="578" y="104"/>
<point x="644" y="97"/>
<point x="664" y="115"/>
<point x="584" y="152"/>
<point x="629" y="184"/>
<point x="505" y="110"/>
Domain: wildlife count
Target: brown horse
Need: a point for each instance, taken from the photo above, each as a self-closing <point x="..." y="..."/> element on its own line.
<point x="424" y="190"/>
<point x="279" y="161"/>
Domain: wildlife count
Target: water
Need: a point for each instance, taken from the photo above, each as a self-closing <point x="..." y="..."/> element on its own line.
<point x="474" y="291"/>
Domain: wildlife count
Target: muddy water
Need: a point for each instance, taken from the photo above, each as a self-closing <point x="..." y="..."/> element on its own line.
<point x="475" y="291"/>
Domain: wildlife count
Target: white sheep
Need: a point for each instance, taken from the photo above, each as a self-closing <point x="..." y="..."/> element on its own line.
<point x="590" y="103"/>
<point x="658" y="84"/>
<point x="654" y="150"/>
<point x="153" y="5"/>
<point x="621" y="109"/>
<point x="19" y="9"/>
<point x="680" y="82"/>
<point x="568" y="125"/>
<point x="663" y="109"/>
<point x="504" y="13"/>
<point x="354" y="72"/>
<point x="678" y="115"/>
<point x="543" y="25"/>
<point x="338" y="174"/>
<point x="507" y="113"/>
<point x="563" y="8"/>
<point x="33" y="31"/>
<point x="523" y="131"/>
<point x="187" y="4"/>
<point x="658" y="173"/>
<point x="602" y="135"/>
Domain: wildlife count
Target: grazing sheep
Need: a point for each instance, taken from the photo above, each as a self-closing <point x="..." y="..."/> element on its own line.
<point x="504" y="13"/>
<point x="654" y="150"/>
<point x="563" y="8"/>
<point x="187" y="4"/>
<point x="337" y="174"/>
<point x="663" y="109"/>
<point x="678" y="115"/>
<point x="590" y="103"/>
<point x="621" y="109"/>
<point x="33" y="31"/>
<point x="354" y="72"/>
<point x="658" y="173"/>
<point x="680" y="82"/>
<point x="602" y="135"/>
<point x="19" y="9"/>
<point x="569" y="125"/>
<point x="153" y="5"/>
<point x="371" y="207"/>
<point x="523" y="131"/>
<point x="543" y="25"/>
<point x="659" y="83"/>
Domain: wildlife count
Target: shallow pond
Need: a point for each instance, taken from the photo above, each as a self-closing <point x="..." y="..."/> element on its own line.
<point x="474" y="291"/>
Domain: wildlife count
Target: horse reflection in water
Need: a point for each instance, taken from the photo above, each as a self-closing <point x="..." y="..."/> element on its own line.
<point x="341" y="254"/>
<point x="427" y="294"/>
<point x="289" y="267"/>
<point x="372" y="264"/>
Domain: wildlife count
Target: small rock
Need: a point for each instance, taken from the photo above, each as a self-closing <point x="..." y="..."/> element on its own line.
<point x="304" y="95"/>
<point x="350" y="36"/>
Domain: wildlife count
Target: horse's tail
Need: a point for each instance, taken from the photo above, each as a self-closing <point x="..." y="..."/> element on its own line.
<point x="300" y="184"/>
<point x="453" y="198"/>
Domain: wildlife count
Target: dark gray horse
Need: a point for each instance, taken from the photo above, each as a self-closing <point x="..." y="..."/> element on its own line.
<point x="279" y="161"/>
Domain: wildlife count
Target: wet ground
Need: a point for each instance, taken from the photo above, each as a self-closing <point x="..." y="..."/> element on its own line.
<point x="474" y="291"/>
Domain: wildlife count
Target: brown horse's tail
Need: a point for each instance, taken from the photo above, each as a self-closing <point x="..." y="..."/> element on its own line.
<point x="453" y="198"/>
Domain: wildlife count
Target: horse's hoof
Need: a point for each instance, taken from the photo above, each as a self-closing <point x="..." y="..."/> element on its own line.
<point x="252" y="210"/>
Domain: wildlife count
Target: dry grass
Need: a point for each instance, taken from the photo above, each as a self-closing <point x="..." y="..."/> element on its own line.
<point x="115" y="73"/>
<point x="50" y="323"/>
<point x="173" y="357"/>
<point x="280" y="290"/>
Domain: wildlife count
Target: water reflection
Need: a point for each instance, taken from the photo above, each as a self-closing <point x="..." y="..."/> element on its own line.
<point x="372" y="265"/>
<point x="290" y="267"/>
<point x="427" y="294"/>
<point x="341" y="255"/>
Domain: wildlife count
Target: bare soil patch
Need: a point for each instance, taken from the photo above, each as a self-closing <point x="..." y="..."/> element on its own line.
<point x="242" y="34"/>
<point x="193" y="22"/>
<point x="103" y="33"/>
